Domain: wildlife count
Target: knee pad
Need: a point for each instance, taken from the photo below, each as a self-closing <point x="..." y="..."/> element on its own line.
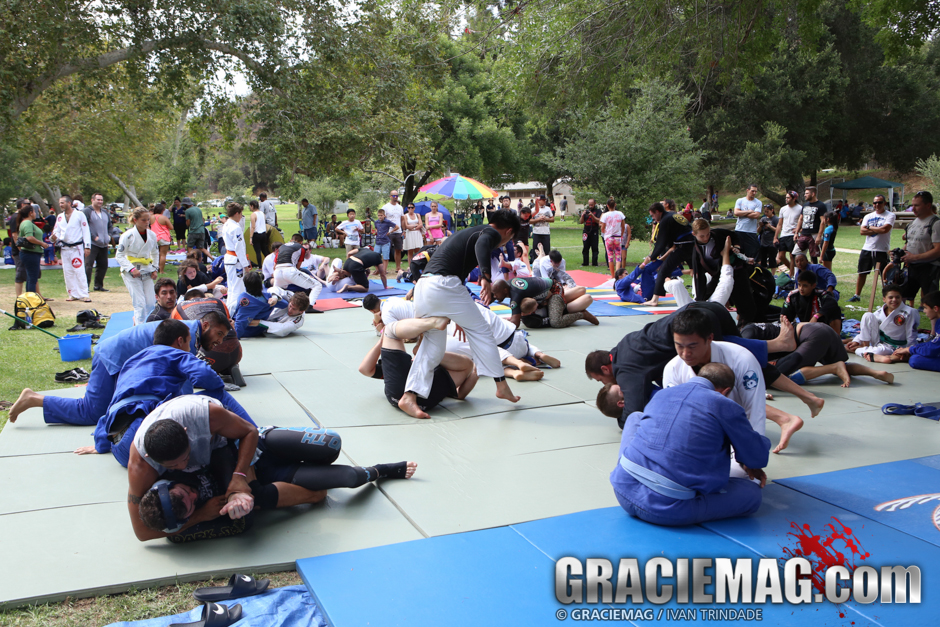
<point x="265" y="494"/>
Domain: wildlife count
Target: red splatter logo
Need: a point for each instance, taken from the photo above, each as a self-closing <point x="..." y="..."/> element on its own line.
<point x="76" y="263"/>
<point x="835" y="546"/>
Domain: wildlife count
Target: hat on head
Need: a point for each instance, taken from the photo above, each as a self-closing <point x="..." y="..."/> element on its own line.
<point x="542" y="197"/>
<point x="187" y="201"/>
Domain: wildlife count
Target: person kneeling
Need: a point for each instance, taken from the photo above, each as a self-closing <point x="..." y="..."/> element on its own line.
<point x="675" y="457"/>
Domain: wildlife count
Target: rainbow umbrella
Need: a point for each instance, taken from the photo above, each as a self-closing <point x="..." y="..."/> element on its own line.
<point x="456" y="186"/>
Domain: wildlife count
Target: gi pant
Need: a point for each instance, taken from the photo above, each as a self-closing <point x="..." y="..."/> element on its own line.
<point x="279" y="324"/>
<point x="722" y="293"/>
<point x="142" y="297"/>
<point x="447" y="296"/>
<point x="869" y="330"/>
<point x="740" y="497"/>
<point x="73" y="267"/>
<point x="87" y="410"/>
<point x="235" y="279"/>
<point x="286" y="274"/>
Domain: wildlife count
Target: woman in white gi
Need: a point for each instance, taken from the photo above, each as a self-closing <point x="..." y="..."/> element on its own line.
<point x="236" y="261"/>
<point x="135" y="254"/>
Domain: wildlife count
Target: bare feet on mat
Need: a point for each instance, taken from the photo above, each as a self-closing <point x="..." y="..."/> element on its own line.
<point x="410" y="472"/>
<point x="409" y="404"/>
<point x="529" y="368"/>
<point x="548" y="359"/>
<point x="528" y="375"/>
<point x="843" y="374"/>
<point x="881" y="375"/>
<point x="769" y="397"/>
<point x="27" y="399"/>
<point x="815" y="406"/>
<point x="504" y="392"/>
<point x="788" y="426"/>
<point x="787" y="335"/>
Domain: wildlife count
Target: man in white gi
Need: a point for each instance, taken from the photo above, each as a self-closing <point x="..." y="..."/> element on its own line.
<point x="693" y="337"/>
<point x="71" y="230"/>
<point x="236" y="259"/>
<point x="135" y="254"/>
<point x="885" y="330"/>
<point x="287" y="270"/>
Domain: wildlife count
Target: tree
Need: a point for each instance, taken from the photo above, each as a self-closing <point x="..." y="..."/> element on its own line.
<point x="640" y="154"/>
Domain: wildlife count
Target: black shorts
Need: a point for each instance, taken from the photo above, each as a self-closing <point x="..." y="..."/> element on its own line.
<point x="395" y="240"/>
<point x="921" y="277"/>
<point x="868" y="258"/>
<point x="785" y="244"/>
<point x="396" y="365"/>
<point x="829" y="348"/>
<point x="196" y="241"/>
<point x="831" y="254"/>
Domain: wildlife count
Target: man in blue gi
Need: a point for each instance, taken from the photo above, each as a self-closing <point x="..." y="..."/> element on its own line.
<point x="259" y="313"/>
<point x="157" y="373"/>
<point x="675" y="455"/>
<point x="106" y="364"/>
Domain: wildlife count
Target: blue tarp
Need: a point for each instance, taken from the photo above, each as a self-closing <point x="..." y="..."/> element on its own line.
<point x="281" y="607"/>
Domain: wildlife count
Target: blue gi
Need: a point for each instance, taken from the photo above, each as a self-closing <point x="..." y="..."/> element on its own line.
<point x="253" y="308"/>
<point x="156" y="374"/>
<point x="624" y="286"/>
<point x="926" y="355"/>
<point x="826" y="278"/>
<point x="680" y="444"/>
<point x="110" y="356"/>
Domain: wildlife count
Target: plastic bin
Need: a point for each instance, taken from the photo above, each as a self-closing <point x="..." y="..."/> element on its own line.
<point x="75" y="347"/>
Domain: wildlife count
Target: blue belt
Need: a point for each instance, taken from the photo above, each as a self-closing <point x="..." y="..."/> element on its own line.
<point x="117" y="407"/>
<point x="656" y="482"/>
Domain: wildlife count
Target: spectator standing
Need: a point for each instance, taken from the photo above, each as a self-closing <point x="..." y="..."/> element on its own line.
<point x="813" y="212"/>
<point x="541" y="232"/>
<point x="195" y="223"/>
<point x="563" y="207"/>
<point x="767" y="229"/>
<point x="270" y="213"/>
<point x="259" y="232"/>
<point x="613" y="225"/>
<point x="160" y="225"/>
<point x="99" y="226"/>
<point x="71" y="229"/>
<point x="179" y="222"/>
<point x="785" y="235"/>
<point x="876" y="227"/>
<point x="748" y="212"/>
<point x="31" y="252"/>
<point x="591" y="219"/>
<point x="394" y="213"/>
<point x="308" y="220"/>
<point x="923" y="248"/>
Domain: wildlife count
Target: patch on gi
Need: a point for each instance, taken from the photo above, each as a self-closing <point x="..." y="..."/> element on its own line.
<point x="680" y="219"/>
<point x="243" y="302"/>
<point x="519" y="283"/>
<point x="120" y="248"/>
<point x="899" y="319"/>
<point x="750" y="380"/>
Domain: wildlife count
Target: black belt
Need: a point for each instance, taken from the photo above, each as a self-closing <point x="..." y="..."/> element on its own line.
<point x="65" y="245"/>
<point x="505" y="345"/>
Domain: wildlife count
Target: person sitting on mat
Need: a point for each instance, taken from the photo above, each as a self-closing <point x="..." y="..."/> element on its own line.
<point x="294" y="467"/>
<point x="260" y="313"/>
<point x="623" y="284"/>
<point x="454" y="377"/>
<point x="636" y="364"/>
<point x="675" y="455"/>
<point x="356" y="267"/>
<point x="809" y="304"/>
<point x="552" y="266"/>
<point x="166" y="300"/>
<point x="191" y="277"/>
<point x="925" y="355"/>
<point x="695" y="347"/>
<point x="557" y="298"/>
<point x="817" y="343"/>
<point x="106" y="363"/>
<point x="159" y="372"/>
<point x="888" y="328"/>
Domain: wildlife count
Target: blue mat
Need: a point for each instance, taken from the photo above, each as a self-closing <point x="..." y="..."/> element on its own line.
<point x="280" y="607"/>
<point x="490" y="577"/>
<point x="903" y="495"/>
<point x="604" y="309"/>
<point x="788" y="519"/>
<point x="117" y="323"/>
<point x="375" y="287"/>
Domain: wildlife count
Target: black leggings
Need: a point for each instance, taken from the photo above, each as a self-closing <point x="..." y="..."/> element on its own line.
<point x="304" y="457"/>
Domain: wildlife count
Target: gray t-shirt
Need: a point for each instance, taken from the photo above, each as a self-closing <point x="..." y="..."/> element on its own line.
<point x="98" y="223"/>
<point x="919" y="240"/>
<point x="270" y="213"/>
<point x="747" y="225"/>
<point x="192" y="412"/>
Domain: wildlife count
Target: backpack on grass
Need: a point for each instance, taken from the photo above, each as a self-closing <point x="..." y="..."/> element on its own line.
<point x="34" y="308"/>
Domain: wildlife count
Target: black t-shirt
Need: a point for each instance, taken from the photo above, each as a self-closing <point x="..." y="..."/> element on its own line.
<point x="158" y="313"/>
<point x="592" y="219"/>
<point x="531" y="287"/>
<point x="804" y="307"/>
<point x="462" y="252"/>
<point x="813" y="213"/>
<point x="289" y="253"/>
<point x="185" y="284"/>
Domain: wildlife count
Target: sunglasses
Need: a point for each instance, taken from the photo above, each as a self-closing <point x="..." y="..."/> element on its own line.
<point x="878" y="202"/>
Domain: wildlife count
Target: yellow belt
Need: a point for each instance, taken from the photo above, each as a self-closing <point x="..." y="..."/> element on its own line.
<point x="141" y="260"/>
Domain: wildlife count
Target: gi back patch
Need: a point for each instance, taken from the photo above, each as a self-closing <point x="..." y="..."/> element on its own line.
<point x="750" y="380"/>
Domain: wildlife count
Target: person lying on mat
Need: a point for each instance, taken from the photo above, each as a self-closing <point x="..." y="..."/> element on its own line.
<point x="225" y="356"/>
<point x="454" y="377"/>
<point x="356" y="267"/>
<point x="817" y="343"/>
<point x="110" y="356"/>
<point x="294" y="467"/>
<point x="164" y="370"/>
<point x="261" y="312"/>
<point x="675" y="455"/>
<point x="565" y="306"/>
<point x="636" y="364"/>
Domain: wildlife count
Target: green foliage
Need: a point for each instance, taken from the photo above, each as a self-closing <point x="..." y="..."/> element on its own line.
<point x="639" y="154"/>
<point x="322" y="192"/>
<point x="929" y="168"/>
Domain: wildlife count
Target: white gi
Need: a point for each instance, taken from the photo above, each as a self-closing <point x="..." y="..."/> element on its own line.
<point x="267" y="266"/>
<point x="75" y="238"/>
<point x="137" y="253"/>
<point x="447" y="297"/>
<point x="510" y="341"/>
<point x="722" y="292"/>
<point x="287" y="270"/>
<point x="887" y="332"/>
<point x="279" y="323"/>
<point x="337" y="264"/>
<point x="393" y="310"/>
<point x="749" y="390"/>
<point x="236" y="261"/>
<point x="543" y="267"/>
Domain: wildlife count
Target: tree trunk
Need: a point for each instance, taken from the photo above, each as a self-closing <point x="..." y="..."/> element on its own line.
<point x="774" y="197"/>
<point x="39" y="201"/>
<point x="179" y="136"/>
<point x="54" y="194"/>
<point x="127" y="192"/>
<point x="549" y="190"/>
<point x="812" y="179"/>
<point x="708" y="198"/>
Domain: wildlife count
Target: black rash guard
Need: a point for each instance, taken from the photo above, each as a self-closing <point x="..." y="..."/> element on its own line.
<point x="461" y="253"/>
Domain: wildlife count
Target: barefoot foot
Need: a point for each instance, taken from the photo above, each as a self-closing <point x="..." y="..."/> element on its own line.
<point x="843" y="373"/>
<point x="815" y="405"/>
<point x="440" y="323"/>
<point x="503" y="392"/>
<point x="787" y="337"/>
<point x="409" y="404"/>
<point x="790" y="425"/>
<point x="410" y="471"/>
<point x="548" y="359"/>
<point x="27" y="400"/>
<point x="881" y="375"/>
